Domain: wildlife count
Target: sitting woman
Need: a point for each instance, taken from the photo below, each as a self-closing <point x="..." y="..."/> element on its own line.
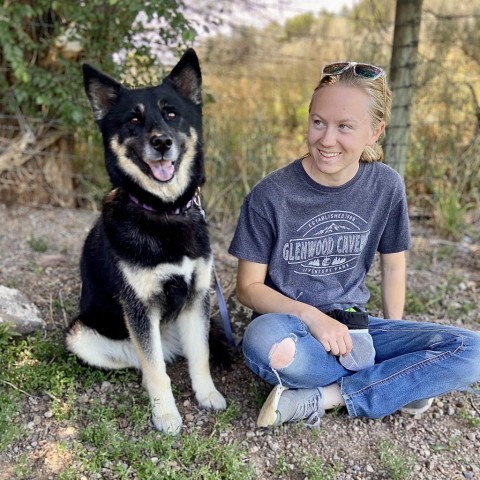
<point x="306" y="238"/>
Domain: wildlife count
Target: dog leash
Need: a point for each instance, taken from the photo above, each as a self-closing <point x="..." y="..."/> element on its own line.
<point x="222" y="305"/>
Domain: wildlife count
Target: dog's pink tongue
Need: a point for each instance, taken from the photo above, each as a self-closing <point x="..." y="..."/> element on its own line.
<point x="162" y="171"/>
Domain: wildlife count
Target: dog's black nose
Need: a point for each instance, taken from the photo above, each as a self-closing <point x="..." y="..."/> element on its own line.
<point x="162" y="143"/>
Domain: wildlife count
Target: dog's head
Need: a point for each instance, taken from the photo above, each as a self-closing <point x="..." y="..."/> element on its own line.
<point x="153" y="135"/>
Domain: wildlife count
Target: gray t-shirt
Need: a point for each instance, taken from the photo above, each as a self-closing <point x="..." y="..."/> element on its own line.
<point x="319" y="242"/>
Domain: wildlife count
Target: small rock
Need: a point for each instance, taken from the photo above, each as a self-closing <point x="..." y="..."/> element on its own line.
<point x="274" y="446"/>
<point x="105" y="386"/>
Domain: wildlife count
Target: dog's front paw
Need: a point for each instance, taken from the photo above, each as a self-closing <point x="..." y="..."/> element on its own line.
<point x="212" y="399"/>
<point x="168" y="422"/>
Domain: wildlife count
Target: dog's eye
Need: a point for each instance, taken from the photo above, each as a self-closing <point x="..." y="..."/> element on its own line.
<point x="171" y="115"/>
<point x="134" y="121"/>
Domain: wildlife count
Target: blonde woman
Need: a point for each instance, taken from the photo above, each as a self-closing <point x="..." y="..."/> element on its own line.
<point x="306" y="239"/>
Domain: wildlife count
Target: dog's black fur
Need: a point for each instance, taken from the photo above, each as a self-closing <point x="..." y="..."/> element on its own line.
<point x="146" y="264"/>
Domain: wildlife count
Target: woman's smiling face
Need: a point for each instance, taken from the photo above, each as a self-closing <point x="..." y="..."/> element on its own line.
<point x="339" y="129"/>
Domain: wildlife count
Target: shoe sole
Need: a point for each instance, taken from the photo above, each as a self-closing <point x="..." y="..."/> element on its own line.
<point x="417" y="411"/>
<point x="268" y="413"/>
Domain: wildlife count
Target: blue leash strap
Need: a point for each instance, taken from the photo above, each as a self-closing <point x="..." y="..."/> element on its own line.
<point x="222" y="306"/>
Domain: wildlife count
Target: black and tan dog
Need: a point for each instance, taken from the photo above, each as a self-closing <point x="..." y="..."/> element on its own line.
<point x="147" y="262"/>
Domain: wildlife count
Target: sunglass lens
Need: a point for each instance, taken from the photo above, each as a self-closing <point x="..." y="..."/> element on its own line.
<point x="367" y="71"/>
<point x="335" y="68"/>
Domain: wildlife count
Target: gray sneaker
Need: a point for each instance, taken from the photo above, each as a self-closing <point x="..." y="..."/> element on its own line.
<point x="417" y="407"/>
<point x="284" y="405"/>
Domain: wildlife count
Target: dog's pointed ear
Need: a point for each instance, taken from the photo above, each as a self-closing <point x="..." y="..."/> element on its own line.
<point x="102" y="91"/>
<point x="186" y="77"/>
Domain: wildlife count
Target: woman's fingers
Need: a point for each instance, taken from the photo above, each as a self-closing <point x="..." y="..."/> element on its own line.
<point x="338" y="346"/>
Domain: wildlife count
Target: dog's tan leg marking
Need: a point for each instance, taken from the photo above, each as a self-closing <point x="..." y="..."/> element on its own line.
<point x="194" y="338"/>
<point x="165" y="415"/>
<point x="193" y="330"/>
<point x="195" y="347"/>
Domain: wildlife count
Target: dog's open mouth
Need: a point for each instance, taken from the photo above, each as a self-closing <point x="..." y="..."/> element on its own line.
<point x="162" y="170"/>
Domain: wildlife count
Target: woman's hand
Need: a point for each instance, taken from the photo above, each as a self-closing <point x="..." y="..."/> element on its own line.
<point x="333" y="335"/>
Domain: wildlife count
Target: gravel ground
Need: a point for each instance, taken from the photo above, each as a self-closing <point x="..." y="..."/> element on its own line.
<point x="442" y="443"/>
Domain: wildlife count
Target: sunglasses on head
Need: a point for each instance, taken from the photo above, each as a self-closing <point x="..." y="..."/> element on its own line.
<point x="363" y="70"/>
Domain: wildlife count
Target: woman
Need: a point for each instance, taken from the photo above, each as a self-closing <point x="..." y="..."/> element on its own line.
<point x="306" y="238"/>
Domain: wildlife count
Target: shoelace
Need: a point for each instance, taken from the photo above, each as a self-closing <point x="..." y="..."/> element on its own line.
<point x="310" y="412"/>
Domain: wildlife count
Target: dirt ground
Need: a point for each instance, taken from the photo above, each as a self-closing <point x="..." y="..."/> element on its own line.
<point x="444" y="281"/>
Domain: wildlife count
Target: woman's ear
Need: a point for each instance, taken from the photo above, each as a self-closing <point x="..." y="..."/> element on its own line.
<point x="378" y="130"/>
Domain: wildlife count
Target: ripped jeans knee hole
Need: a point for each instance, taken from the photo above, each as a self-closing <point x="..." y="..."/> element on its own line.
<point x="282" y="354"/>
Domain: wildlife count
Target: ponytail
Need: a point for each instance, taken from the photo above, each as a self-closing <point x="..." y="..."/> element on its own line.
<point x="372" y="153"/>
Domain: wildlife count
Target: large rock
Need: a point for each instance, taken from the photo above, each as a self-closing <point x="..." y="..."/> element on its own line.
<point x="19" y="312"/>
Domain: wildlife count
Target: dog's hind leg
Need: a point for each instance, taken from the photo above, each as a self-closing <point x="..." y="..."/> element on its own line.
<point x="193" y="324"/>
<point x="100" y="351"/>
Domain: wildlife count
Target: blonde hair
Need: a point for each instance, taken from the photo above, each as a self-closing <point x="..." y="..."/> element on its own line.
<point x="380" y="104"/>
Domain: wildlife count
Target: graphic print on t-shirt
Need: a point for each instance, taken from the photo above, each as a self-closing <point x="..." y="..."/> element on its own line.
<point x="327" y="244"/>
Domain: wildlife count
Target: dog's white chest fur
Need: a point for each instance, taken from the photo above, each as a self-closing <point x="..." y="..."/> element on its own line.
<point x="147" y="282"/>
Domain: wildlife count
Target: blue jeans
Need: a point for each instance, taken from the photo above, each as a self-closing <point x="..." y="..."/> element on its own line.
<point x="414" y="360"/>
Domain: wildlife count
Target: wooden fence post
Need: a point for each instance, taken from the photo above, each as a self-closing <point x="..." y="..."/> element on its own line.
<point x="402" y="81"/>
